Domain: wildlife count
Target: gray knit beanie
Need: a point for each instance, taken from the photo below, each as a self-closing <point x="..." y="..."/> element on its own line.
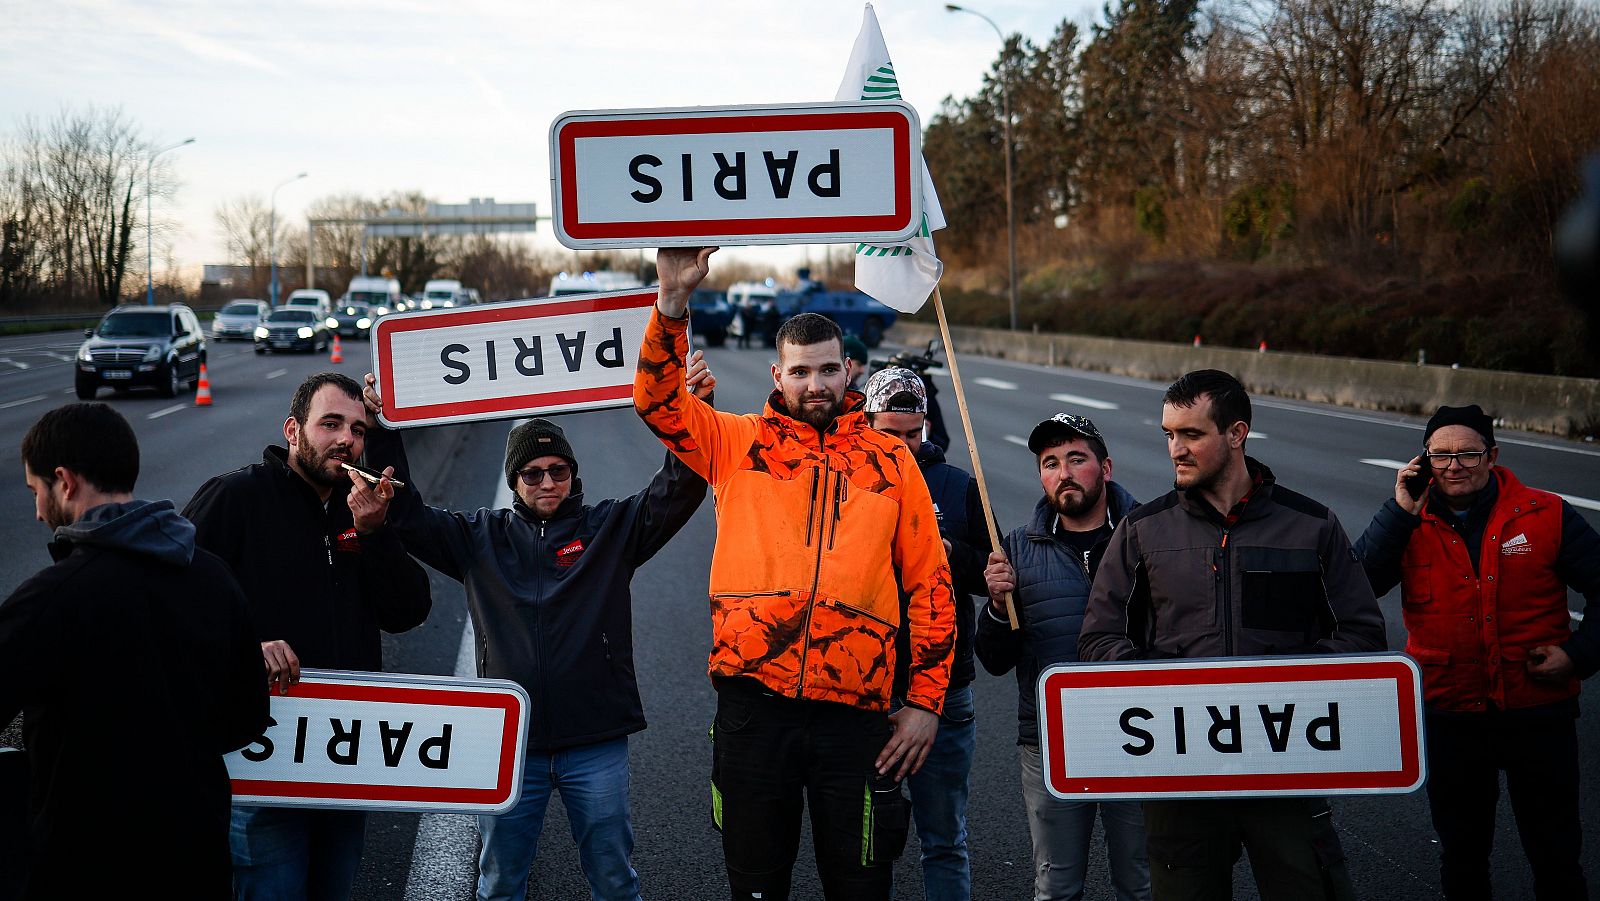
<point x="535" y="438"/>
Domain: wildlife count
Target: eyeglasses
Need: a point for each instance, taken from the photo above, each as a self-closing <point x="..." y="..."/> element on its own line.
<point x="1467" y="459"/>
<point x="533" y="476"/>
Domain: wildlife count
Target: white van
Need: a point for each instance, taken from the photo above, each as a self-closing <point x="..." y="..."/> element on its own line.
<point x="314" y="299"/>
<point x="445" y="292"/>
<point x="381" y="295"/>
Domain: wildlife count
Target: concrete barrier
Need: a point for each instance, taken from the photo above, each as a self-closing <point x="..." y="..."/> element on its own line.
<point x="1555" y="405"/>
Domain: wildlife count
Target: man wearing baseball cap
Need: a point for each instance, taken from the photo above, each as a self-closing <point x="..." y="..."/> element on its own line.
<point x="548" y="588"/>
<point x="1484" y="563"/>
<point x="897" y="405"/>
<point x="1047" y="567"/>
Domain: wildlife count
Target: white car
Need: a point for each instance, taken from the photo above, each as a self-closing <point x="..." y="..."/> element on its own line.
<point x="238" y="319"/>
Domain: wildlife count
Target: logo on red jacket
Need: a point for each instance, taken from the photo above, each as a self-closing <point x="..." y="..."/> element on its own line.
<point x="568" y="555"/>
<point x="348" y="541"/>
<point x="1517" y="545"/>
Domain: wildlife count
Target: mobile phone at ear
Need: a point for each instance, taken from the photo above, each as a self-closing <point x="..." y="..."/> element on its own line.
<point x="372" y="475"/>
<point x="1418" y="484"/>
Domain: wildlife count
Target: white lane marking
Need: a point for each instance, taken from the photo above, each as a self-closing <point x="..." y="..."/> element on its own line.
<point x="1262" y="435"/>
<point x="276" y="373"/>
<point x="1079" y="400"/>
<point x="17" y="403"/>
<point x="15" y="363"/>
<point x="1023" y="442"/>
<point x="62" y="357"/>
<point x="1576" y="616"/>
<point x="1574" y="500"/>
<point x="1001" y="384"/>
<point x="68" y="390"/>
<point x="442" y="862"/>
<point x="165" y="410"/>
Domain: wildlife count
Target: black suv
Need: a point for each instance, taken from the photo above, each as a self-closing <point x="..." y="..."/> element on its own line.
<point x="160" y="346"/>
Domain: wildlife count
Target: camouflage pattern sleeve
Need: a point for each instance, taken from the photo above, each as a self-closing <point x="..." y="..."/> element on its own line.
<point x="708" y="442"/>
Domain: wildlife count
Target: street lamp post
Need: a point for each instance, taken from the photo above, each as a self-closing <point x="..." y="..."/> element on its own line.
<point x="149" y="256"/>
<point x="1005" y="112"/>
<point x="272" y="235"/>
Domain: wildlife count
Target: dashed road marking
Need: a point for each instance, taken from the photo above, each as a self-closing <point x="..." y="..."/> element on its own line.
<point x="1022" y="442"/>
<point x="276" y="373"/>
<point x="1078" y="400"/>
<point x="1001" y="384"/>
<point x="1384" y="462"/>
<point x="17" y="403"/>
<point x="15" y="363"/>
<point x="165" y="410"/>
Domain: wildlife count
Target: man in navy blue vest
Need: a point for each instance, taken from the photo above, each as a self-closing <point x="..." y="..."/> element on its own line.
<point x="897" y="405"/>
<point x="1047" y="568"/>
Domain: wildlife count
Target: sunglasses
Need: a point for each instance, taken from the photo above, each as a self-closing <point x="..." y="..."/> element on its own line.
<point x="533" y="476"/>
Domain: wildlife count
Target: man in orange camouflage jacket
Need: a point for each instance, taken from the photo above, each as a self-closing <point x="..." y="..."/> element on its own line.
<point x="816" y="513"/>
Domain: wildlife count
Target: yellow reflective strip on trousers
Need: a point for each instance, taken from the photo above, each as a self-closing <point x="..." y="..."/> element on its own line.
<point x="866" y="824"/>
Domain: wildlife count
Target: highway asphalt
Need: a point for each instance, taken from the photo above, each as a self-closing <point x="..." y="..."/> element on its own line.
<point x="1335" y="455"/>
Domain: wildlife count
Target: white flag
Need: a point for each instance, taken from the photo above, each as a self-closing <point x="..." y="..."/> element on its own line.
<point x="898" y="275"/>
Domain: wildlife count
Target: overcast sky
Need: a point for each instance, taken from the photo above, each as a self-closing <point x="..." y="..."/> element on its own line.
<point x="451" y="98"/>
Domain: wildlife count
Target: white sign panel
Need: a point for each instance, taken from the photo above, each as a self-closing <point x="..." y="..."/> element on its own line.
<point x="506" y="360"/>
<point x="1346" y="724"/>
<point x="374" y="741"/>
<point x="805" y="173"/>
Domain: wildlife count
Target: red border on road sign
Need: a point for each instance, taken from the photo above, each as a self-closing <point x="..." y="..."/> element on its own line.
<point x="898" y="125"/>
<point x="387" y="328"/>
<point x="1097" y="677"/>
<point x="510" y="747"/>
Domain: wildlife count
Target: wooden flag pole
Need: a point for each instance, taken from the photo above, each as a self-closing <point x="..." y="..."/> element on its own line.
<point x="972" y="440"/>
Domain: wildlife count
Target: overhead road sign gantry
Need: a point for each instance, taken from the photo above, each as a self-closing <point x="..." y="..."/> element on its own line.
<point x="1232" y="728"/>
<point x="737" y="175"/>
<point x="509" y="360"/>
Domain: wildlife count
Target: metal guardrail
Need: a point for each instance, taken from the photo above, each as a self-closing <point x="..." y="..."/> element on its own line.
<point x="73" y="318"/>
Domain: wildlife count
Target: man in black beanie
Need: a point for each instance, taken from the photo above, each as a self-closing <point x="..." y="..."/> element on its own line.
<point x="1484" y="563"/>
<point x="548" y="588"/>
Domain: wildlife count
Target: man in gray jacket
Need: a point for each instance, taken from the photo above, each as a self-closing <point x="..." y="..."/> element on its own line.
<point x="549" y="590"/>
<point x="1284" y="581"/>
<point x="1047" y="567"/>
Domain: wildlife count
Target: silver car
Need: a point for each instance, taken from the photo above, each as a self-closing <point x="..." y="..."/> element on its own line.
<point x="239" y="319"/>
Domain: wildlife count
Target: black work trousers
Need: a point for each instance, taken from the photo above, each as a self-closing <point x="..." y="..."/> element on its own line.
<point x="773" y="756"/>
<point x="1294" y="851"/>
<point x="1538" y="750"/>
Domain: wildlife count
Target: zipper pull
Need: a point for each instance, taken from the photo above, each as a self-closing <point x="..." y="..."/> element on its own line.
<point x="327" y="545"/>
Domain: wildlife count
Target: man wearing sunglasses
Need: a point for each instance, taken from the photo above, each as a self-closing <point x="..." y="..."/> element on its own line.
<point x="548" y="588"/>
<point x="1484" y="563"/>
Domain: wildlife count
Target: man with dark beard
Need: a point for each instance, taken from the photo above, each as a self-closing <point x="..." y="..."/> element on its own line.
<point x="1231" y="564"/>
<point x="816" y="513"/>
<point x="324" y="575"/>
<point x="1047" y="567"/>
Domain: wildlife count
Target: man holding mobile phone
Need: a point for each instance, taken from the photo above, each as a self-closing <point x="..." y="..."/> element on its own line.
<point x="324" y="575"/>
<point x="548" y="584"/>
<point x="1484" y="563"/>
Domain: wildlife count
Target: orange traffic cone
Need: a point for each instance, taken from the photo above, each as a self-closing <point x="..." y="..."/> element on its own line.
<point x="202" y="389"/>
<point x="1263" y="347"/>
<point x="338" y="355"/>
<point x="1197" y="340"/>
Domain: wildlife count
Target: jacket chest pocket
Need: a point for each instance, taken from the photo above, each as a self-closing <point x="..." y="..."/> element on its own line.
<point x="1281" y="589"/>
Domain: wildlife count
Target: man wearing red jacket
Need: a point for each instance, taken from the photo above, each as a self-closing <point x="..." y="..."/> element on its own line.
<point x="1483" y="563"/>
<point x="816" y="514"/>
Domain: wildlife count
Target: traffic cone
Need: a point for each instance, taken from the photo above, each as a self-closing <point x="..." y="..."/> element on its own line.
<point x="1197" y="339"/>
<point x="338" y="355"/>
<point x="1263" y="347"/>
<point x="202" y="389"/>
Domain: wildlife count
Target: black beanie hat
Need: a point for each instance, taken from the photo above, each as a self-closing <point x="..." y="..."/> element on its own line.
<point x="535" y="438"/>
<point x="1471" y="416"/>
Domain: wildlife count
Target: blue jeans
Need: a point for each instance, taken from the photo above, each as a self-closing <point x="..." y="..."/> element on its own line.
<point x="1061" y="830"/>
<point x="593" y="781"/>
<point x="295" y="855"/>
<point x="939" y="801"/>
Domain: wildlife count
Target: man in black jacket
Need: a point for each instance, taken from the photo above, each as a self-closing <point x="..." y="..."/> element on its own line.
<point x="1282" y="580"/>
<point x="548" y="588"/>
<point x="324" y="576"/>
<point x="133" y="661"/>
<point x="897" y="405"/>
<point x="1047" y="568"/>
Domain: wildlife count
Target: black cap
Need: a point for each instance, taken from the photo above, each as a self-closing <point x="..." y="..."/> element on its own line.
<point x="1062" y="425"/>
<point x="535" y="438"/>
<point x="1471" y="416"/>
